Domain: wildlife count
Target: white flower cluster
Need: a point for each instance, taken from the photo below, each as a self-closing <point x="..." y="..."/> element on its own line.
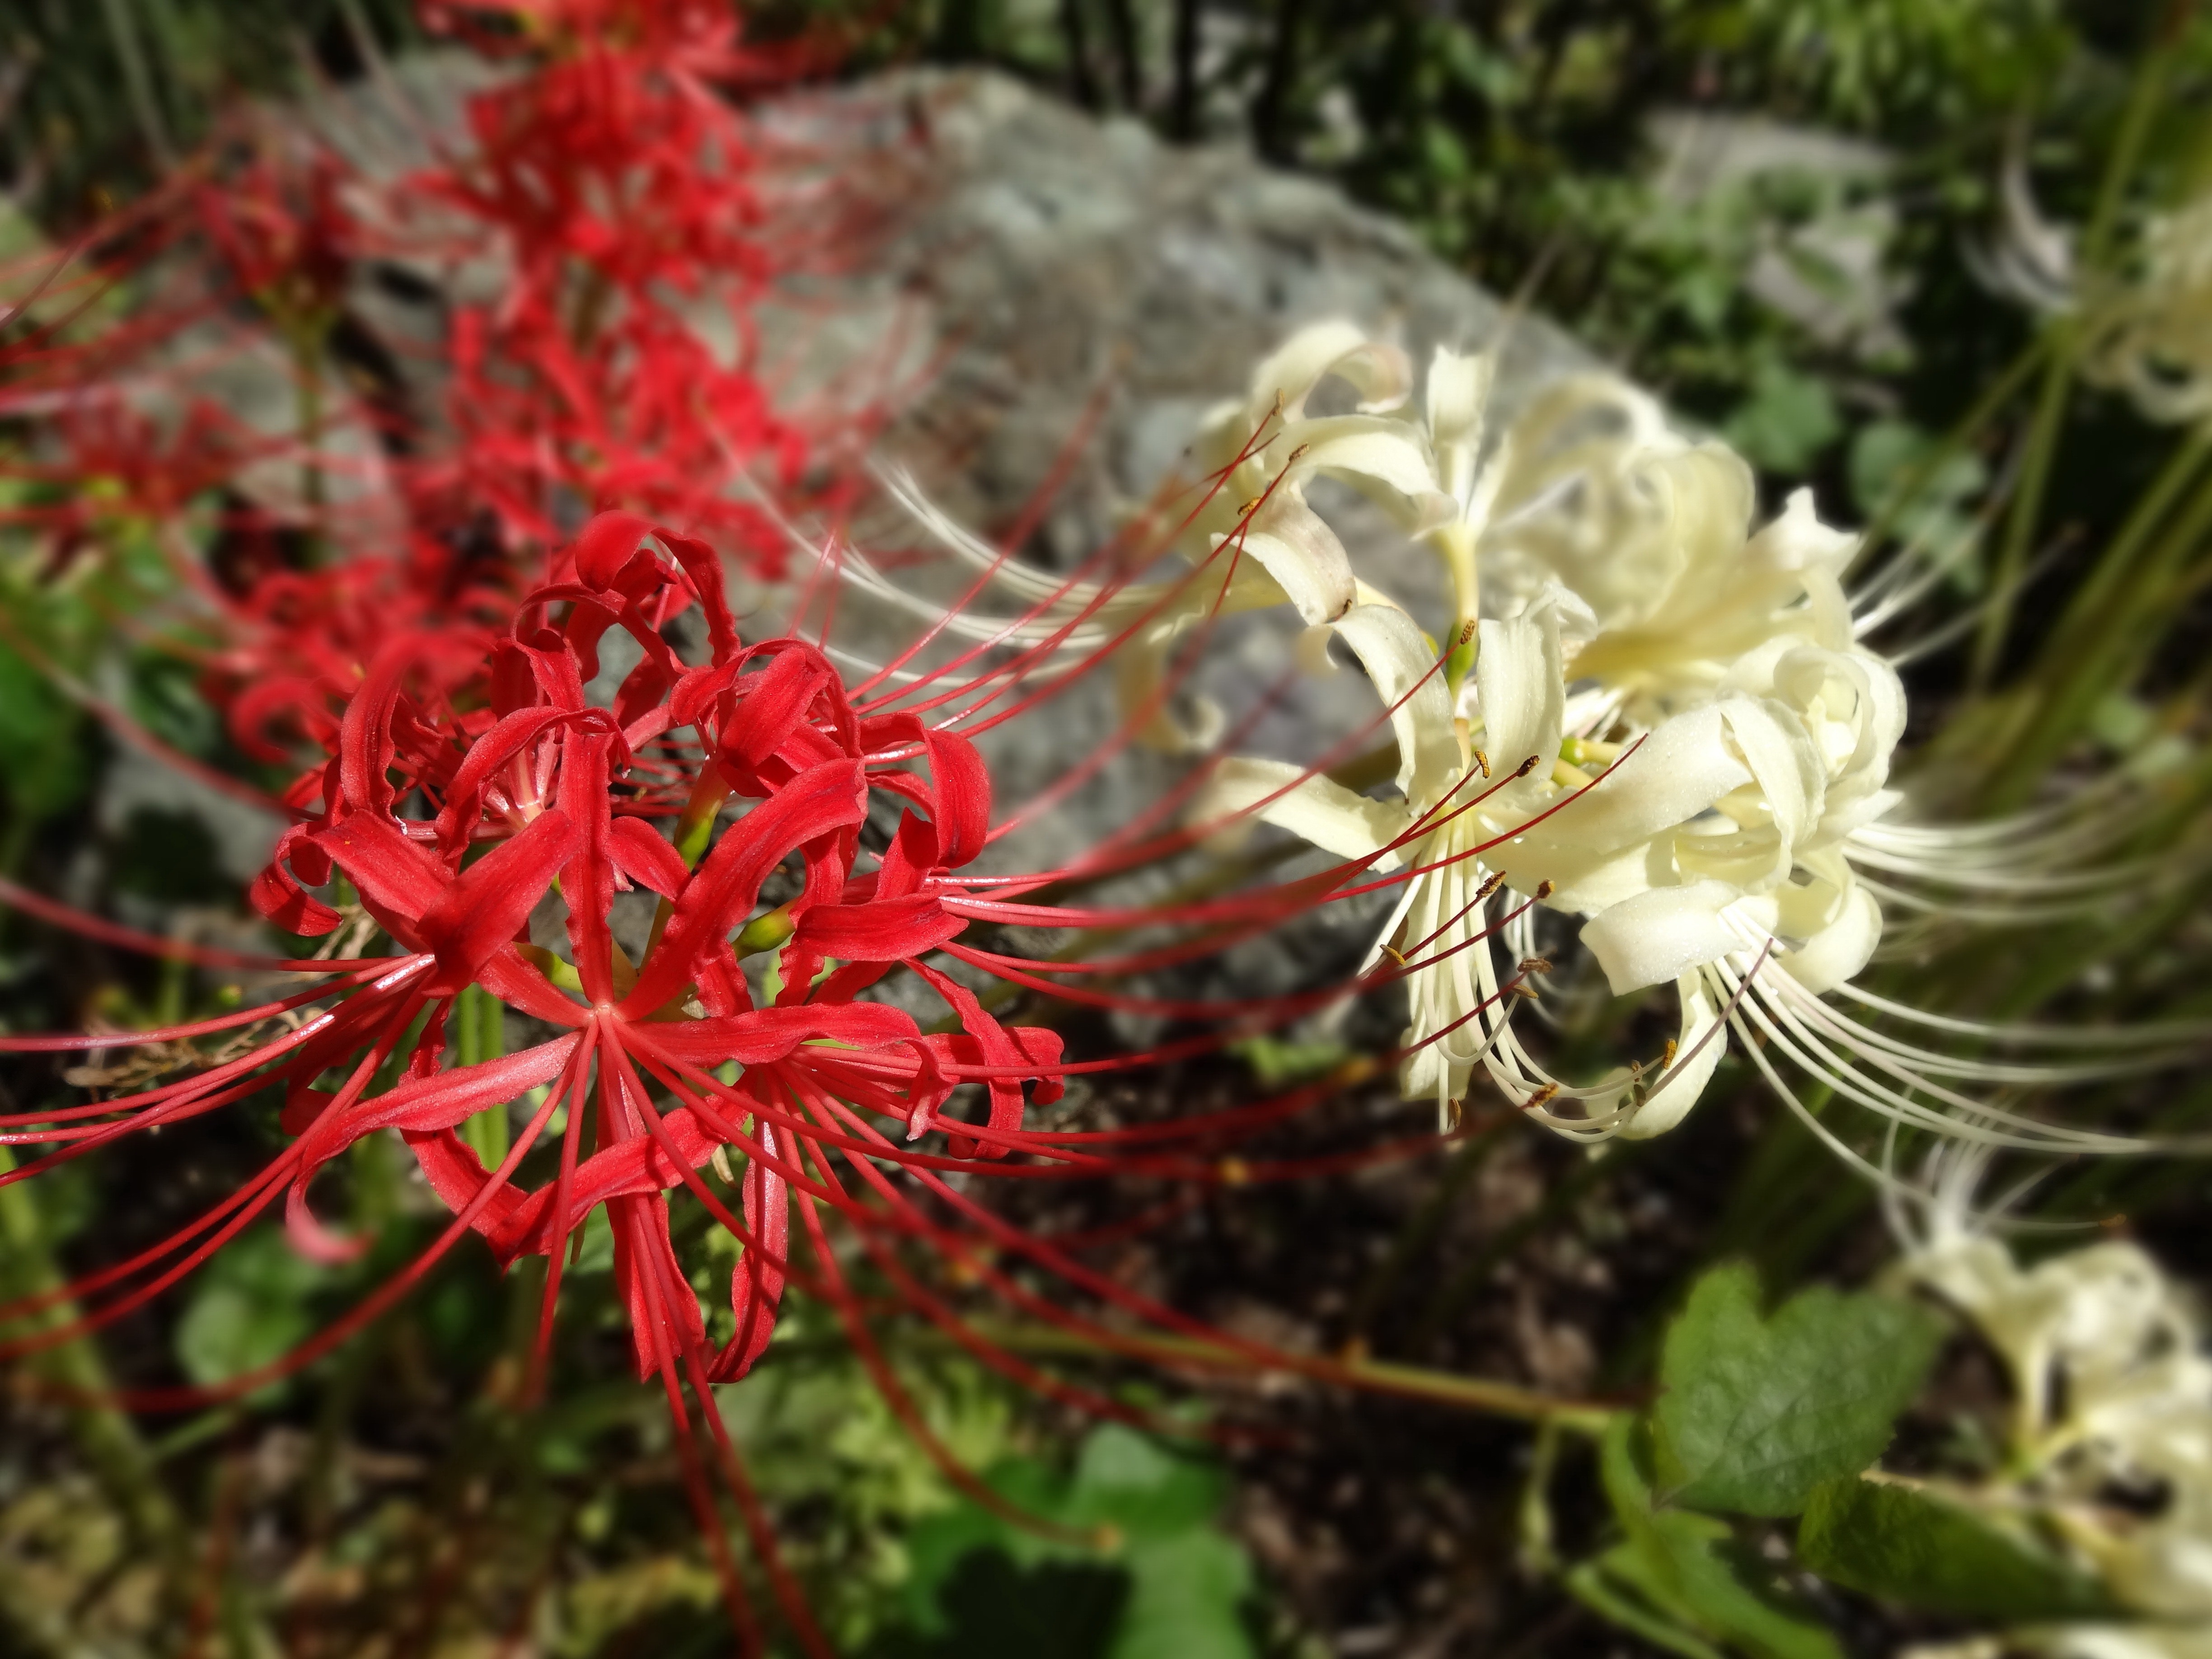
<point x="2111" y="1442"/>
<point x="2146" y="327"/>
<point x="1669" y="731"/>
<point x="1648" y="712"/>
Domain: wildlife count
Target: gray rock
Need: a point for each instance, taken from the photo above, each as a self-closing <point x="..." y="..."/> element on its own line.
<point x="1052" y="269"/>
<point x="1055" y="259"/>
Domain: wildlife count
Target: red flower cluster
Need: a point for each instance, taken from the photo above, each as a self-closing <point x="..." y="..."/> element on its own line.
<point x="660" y="1055"/>
<point x="619" y="179"/>
<point x="611" y="175"/>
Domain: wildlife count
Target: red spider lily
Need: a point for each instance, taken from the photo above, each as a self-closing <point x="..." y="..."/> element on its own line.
<point x="531" y="786"/>
<point x="288" y="657"/>
<point x="453" y="821"/>
<point x="280" y="225"/>
<point x="617" y="149"/>
<point x="615" y="177"/>
<point x="619" y="178"/>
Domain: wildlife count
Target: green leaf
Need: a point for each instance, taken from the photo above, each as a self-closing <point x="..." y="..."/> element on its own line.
<point x="250" y="1306"/>
<point x="1756" y="1413"/>
<point x="1930" y="1553"/>
<point x="1788" y="419"/>
<point x="1684" y="1580"/>
<point x="1184" y="1583"/>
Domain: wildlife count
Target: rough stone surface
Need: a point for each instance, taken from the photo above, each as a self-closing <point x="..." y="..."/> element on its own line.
<point x="1056" y="259"/>
<point x="1076" y="296"/>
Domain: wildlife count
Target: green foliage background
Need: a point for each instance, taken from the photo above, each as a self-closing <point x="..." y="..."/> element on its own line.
<point x="1518" y="137"/>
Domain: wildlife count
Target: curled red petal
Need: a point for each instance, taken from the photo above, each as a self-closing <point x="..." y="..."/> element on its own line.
<point x="421" y="1104"/>
<point x="727" y="882"/>
<point x="882" y="930"/>
<point x="493" y="896"/>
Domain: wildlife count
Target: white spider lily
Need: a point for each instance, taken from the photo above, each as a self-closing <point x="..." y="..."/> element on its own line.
<point x="2151" y="335"/>
<point x="1670" y="731"/>
<point x="1461" y="816"/>
<point x="2145" y="328"/>
<point x="1702" y="798"/>
<point x="2112" y="1395"/>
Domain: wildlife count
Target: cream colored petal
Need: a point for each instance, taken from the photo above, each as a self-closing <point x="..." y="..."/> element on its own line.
<point x="1403" y="668"/>
<point x="1241" y="792"/>
<point x="1661" y="933"/>
<point x="1518" y="682"/>
<point x="1677" y="772"/>
<point x="1379" y="373"/>
<point x="1459" y="391"/>
<point x="1785" y="765"/>
<point x="1797" y="540"/>
<point x="1386" y="460"/>
<point x="1836" y="953"/>
<point x="1699" y="1044"/>
<point x="1302" y="553"/>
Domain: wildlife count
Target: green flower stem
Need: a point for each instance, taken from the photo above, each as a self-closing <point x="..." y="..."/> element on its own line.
<point x="106" y="1435"/>
<point x="2143" y="102"/>
<point x="2027" y="512"/>
<point x="1456" y="543"/>
<point x="2107" y="635"/>
<point x="479" y="1034"/>
<point x="1473" y="1394"/>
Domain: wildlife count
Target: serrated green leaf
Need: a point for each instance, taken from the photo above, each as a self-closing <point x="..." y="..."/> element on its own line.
<point x="1756" y="1413"/>
<point x="1929" y="1553"/>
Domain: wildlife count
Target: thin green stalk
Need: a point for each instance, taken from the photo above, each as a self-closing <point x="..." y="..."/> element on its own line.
<point x="479" y="1035"/>
<point x="106" y="1434"/>
<point x="1416" y="1382"/>
<point x="2143" y="98"/>
<point x="2144" y="612"/>
<point x="2071" y="672"/>
<point x="2027" y="502"/>
<point x="137" y="81"/>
